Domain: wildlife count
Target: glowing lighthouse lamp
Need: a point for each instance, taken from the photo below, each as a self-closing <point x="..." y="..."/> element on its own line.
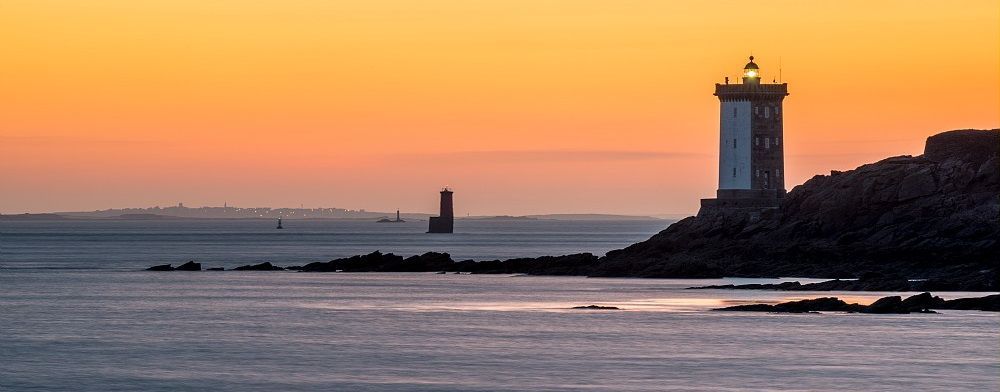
<point x="751" y="74"/>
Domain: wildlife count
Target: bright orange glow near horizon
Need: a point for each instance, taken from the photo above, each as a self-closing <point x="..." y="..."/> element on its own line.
<point x="521" y="106"/>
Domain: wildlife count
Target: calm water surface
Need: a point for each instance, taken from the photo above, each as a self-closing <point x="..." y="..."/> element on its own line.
<point x="125" y="244"/>
<point x="118" y="328"/>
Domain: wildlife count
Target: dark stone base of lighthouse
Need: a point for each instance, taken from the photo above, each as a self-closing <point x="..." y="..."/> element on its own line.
<point x="753" y="201"/>
<point x="441" y="224"/>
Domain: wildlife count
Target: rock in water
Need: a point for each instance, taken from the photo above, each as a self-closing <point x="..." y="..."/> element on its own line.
<point x="161" y="267"/>
<point x="988" y="303"/>
<point x="893" y="304"/>
<point x="189" y="266"/>
<point x="922" y="303"/>
<point x="824" y="304"/>
<point x="597" y="307"/>
<point x="574" y="264"/>
<point x="265" y="266"/>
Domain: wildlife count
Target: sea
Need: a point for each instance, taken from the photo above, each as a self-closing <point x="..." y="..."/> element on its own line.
<point x="79" y="313"/>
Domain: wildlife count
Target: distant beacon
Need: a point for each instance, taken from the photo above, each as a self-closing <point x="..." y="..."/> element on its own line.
<point x="445" y="223"/>
<point x="751" y="156"/>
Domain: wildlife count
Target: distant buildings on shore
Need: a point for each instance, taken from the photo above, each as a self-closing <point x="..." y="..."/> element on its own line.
<point x="239" y="212"/>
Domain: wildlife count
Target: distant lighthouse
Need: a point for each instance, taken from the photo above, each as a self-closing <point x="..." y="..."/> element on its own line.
<point x="445" y="222"/>
<point x="751" y="153"/>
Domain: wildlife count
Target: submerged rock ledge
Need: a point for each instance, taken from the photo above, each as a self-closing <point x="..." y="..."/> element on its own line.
<point x="867" y="282"/>
<point x="920" y="303"/>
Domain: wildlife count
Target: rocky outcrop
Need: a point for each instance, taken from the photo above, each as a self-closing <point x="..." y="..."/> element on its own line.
<point x="988" y="303"/>
<point x="576" y="264"/>
<point x="824" y="304"/>
<point x="934" y="216"/>
<point x="867" y="282"/>
<point x="265" y="266"/>
<point x="384" y="262"/>
<point x="161" y="267"/>
<point x="597" y="307"/>
<point x="920" y="303"/>
<point x="188" y="266"/>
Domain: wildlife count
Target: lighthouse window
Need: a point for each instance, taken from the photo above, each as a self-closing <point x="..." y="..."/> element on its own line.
<point x="767" y="142"/>
<point x="756" y="173"/>
<point x="777" y="141"/>
<point x="777" y="172"/>
<point x="767" y="111"/>
<point x="734" y="172"/>
<point x="734" y="144"/>
<point x="734" y="112"/>
<point x="756" y="140"/>
<point x="756" y="110"/>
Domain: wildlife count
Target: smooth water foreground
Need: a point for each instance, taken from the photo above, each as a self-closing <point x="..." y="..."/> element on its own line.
<point x="77" y="313"/>
<point x="270" y="331"/>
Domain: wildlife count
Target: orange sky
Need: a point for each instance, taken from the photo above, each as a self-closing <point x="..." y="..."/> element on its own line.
<point x="521" y="106"/>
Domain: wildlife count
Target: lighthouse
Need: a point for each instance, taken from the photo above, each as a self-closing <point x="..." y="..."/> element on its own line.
<point x="445" y="221"/>
<point x="751" y="145"/>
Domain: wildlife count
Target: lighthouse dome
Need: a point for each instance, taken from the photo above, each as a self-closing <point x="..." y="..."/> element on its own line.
<point x="751" y="74"/>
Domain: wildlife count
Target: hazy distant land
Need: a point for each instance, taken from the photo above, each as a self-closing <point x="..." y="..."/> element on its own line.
<point x="182" y="212"/>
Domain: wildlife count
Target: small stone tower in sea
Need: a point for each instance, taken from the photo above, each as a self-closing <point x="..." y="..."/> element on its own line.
<point x="445" y="222"/>
<point x="751" y="154"/>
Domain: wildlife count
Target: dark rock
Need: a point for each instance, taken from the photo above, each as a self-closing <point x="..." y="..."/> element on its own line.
<point x="161" y="267"/>
<point x="189" y="266"/>
<point x="372" y="262"/>
<point x="920" y="303"/>
<point x="966" y="144"/>
<point x="265" y="266"/>
<point x="893" y="304"/>
<point x="988" y="303"/>
<point x="824" y="304"/>
<point x="597" y="307"/>
<point x="577" y="264"/>
<point x="748" y="308"/>
<point x="215" y="269"/>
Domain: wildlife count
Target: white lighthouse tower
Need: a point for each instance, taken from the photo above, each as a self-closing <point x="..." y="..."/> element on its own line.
<point x="751" y="155"/>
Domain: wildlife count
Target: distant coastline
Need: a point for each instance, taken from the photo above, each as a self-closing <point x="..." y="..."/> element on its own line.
<point x="417" y="217"/>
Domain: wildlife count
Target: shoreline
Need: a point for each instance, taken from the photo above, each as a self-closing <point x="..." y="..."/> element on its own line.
<point x="585" y="265"/>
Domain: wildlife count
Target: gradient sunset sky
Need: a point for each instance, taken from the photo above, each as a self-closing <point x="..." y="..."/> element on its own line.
<point x="521" y="106"/>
